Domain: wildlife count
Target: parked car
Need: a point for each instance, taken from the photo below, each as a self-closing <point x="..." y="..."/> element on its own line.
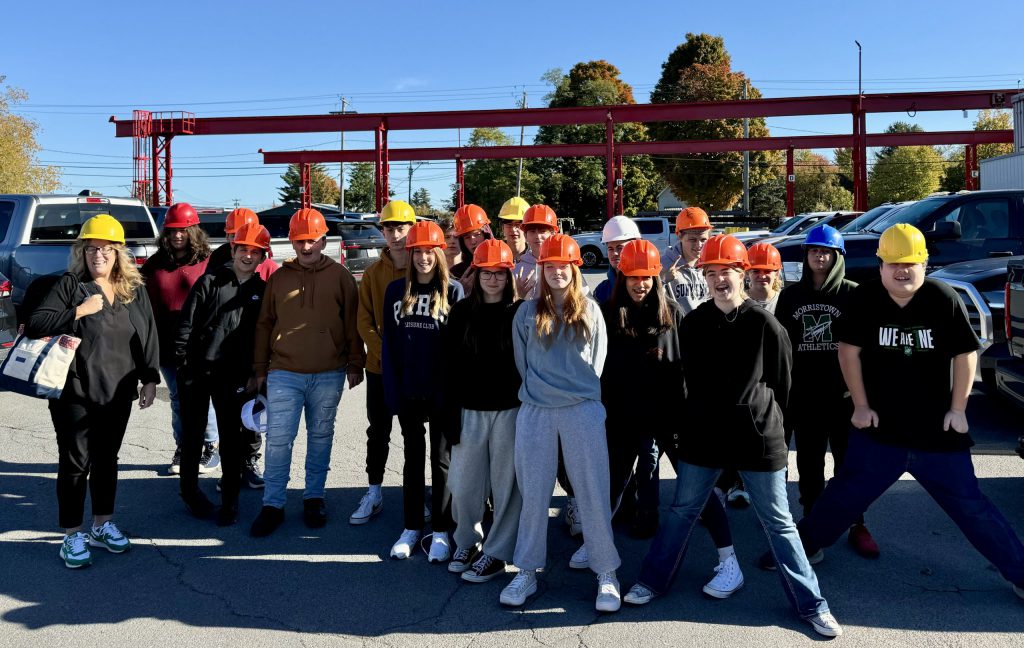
<point x="8" y="318"/>
<point x="656" y="229"/>
<point x="864" y="221"/>
<point x="362" y="243"/>
<point x="791" y="226"/>
<point x="1009" y="370"/>
<point x="838" y="221"/>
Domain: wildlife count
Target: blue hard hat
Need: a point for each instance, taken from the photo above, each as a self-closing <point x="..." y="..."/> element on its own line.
<point x="825" y="236"/>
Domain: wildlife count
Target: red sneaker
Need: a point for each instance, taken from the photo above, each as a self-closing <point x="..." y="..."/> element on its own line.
<point x="862" y="542"/>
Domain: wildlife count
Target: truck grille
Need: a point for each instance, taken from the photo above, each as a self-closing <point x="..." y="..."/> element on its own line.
<point x="977" y="310"/>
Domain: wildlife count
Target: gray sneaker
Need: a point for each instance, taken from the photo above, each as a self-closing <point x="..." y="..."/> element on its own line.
<point x="522" y="587"/>
<point x="825" y="624"/>
<point x="638" y="595"/>
<point x="210" y="458"/>
<point x="368" y="508"/>
<point x="74" y="551"/>
<point x="608" y="597"/>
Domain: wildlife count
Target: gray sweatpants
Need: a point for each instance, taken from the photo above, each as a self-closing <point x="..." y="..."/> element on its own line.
<point x="482" y="462"/>
<point x="580" y="428"/>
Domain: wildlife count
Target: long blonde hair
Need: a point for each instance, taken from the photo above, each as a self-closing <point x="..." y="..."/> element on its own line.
<point x="439" y="295"/>
<point x="574" y="310"/>
<point x="124" y="276"/>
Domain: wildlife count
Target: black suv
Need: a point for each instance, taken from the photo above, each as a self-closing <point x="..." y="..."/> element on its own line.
<point x="362" y="244"/>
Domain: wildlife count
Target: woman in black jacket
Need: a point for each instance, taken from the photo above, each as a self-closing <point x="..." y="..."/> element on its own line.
<point x="213" y="350"/>
<point x="102" y="300"/>
<point x="736" y="364"/>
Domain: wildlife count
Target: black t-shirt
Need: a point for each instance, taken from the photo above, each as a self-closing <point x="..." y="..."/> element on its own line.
<point x="906" y="358"/>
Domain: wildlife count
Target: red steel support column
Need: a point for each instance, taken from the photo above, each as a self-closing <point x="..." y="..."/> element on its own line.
<point x="168" y="172"/>
<point x="859" y="159"/>
<point x="155" y="150"/>
<point x="609" y="159"/>
<point x="305" y="192"/>
<point x="620" y="205"/>
<point x="460" y="186"/>
<point x="790" y="183"/>
<point x="971" y="167"/>
<point x="381" y="192"/>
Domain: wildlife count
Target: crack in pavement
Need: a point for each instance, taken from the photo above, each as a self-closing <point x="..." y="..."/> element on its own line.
<point x="954" y="589"/>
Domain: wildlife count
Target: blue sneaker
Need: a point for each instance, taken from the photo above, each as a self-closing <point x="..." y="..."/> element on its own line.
<point x="109" y="537"/>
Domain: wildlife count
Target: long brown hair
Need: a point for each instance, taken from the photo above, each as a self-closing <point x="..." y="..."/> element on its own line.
<point x="124" y="276"/>
<point x="655" y="303"/>
<point x="574" y="310"/>
<point x="439" y="283"/>
<point x="198" y="244"/>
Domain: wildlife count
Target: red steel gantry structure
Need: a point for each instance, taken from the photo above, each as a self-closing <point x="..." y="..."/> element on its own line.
<point x="858" y="106"/>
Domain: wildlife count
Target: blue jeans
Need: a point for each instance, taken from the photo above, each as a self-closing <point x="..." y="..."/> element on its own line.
<point x="289" y="394"/>
<point x="771" y="504"/>
<point x="170" y="375"/>
<point x="871" y="468"/>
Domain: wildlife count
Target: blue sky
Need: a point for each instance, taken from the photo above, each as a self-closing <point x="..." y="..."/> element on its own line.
<point x="81" y="63"/>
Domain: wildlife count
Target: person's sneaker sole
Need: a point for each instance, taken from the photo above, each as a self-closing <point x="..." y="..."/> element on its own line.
<point x="608" y="605"/>
<point x="74" y="564"/>
<point x="825" y="631"/>
<point x="721" y="594"/>
<point x="638" y="600"/>
<point x="521" y="599"/>
<point x="356" y="521"/>
<point x="99" y="544"/>
<point x="473" y="577"/>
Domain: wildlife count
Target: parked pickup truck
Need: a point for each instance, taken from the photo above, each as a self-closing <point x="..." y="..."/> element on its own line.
<point x="960" y="226"/>
<point x="37" y="231"/>
<point x="1009" y="371"/>
<point x="656" y="229"/>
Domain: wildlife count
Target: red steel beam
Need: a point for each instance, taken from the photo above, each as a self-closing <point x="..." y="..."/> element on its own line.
<point x="738" y="109"/>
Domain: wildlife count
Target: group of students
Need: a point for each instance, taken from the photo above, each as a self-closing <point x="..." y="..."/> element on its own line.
<point x="524" y="378"/>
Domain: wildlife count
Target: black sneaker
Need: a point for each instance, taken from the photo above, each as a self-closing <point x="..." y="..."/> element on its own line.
<point x="210" y="459"/>
<point x="175" y="467"/>
<point x="463" y="559"/>
<point x="227" y="515"/>
<point x="198" y="504"/>
<point x="252" y="476"/>
<point x="484" y="569"/>
<point x="267" y="521"/>
<point x="314" y="512"/>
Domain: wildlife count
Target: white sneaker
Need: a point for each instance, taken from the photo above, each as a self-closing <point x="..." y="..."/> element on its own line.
<point x="109" y="537"/>
<point x="638" y="595"/>
<point x="440" y="547"/>
<point x="826" y="625"/>
<point x="728" y="578"/>
<point x="368" y="508"/>
<point x="521" y="588"/>
<point x="572" y="517"/>
<point x="608" y="598"/>
<point x="580" y="559"/>
<point x="74" y="551"/>
<point x="406" y="542"/>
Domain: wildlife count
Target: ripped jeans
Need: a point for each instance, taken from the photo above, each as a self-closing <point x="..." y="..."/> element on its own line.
<point x="289" y="394"/>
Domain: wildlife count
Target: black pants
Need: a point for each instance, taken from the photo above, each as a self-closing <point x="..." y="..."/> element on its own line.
<point x="413" y="417"/>
<point x="818" y="426"/>
<point x="89" y="437"/>
<point x="632" y="490"/>
<point x="378" y="434"/>
<point x="195" y="390"/>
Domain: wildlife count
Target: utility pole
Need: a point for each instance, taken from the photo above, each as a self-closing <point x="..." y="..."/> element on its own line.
<point x="522" y="131"/>
<point x="237" y="202"/>
<point x="341" y="170"/>
<point x="746" y="160"/>
<point x="411" y="169"/>
<point x="860" y="67"/>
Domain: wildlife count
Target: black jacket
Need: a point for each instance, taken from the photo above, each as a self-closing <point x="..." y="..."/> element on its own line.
<point x="736" y="369"/>
<point x="56" y="315"/>
<point x="217" y="328"/>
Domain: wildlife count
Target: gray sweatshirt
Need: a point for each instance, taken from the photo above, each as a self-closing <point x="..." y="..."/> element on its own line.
<point x="565" y="373"/>
<point x="689" y="289"/>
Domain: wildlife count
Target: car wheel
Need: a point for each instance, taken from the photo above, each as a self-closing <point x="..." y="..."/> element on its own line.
<point x="591" y="256"/>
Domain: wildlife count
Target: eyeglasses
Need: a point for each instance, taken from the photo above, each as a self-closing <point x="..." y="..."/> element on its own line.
<point x="488" y="274"/>
<point x="106" y="250"/>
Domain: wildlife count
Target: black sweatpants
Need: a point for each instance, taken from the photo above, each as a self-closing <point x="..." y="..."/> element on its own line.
<point x="413" y="417"/>
<point x="378" y="434"/>
<point x="89" y="437"/>
<point x="817" y="426"/>
<point x="195" y="391"/>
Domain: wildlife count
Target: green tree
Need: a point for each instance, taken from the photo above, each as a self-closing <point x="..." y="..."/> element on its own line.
<point x="768" y="199"/>
<point x="844" y="163"/>
<point x="817" y="186"/>
<point x="20" y="171"/>
<point x="360" y="192"/>
<point x="489" y="183"/>
<point x="421" y="199"/>
<point x="904" y="173"/>
<point x="954" y="176"/>
<point x="576" y="187"/>
<point x="700" y="69"/>
<point x="323" y="187"/>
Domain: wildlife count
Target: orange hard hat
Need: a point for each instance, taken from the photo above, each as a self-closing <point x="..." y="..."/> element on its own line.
<point x="560" y="248"/>
<point x="470" y="218"/>
<point x="425" y="234"/>
<point x="764" y="256"/>
<point x="307" y="225"/>
<point x="238" y="217"/>
<point x="493" y="253"/>
<point x="724" y="250"/>
<point x="692" y="218"/>
<point x="540" y="215"/>
<point x="253" y="234"/>
<point x="640" y="258"/>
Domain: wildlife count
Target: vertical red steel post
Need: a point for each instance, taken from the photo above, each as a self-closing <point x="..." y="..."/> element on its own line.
<point x="168" y="172"/>
<point x="860" y="161"/>
<point x="970" y="165"/>
<point x="790" y="183"/>
<point x="460" y="184"/>
<point x="377" y="205"/>
<point x="306" y="194"/>
<point x="620" y="205"/>
<point x="385" y="167"/>
<point x="155" y="152"/>
<point x="609" y="159"/>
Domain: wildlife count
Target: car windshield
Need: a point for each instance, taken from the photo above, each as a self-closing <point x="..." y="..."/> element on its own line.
<point x="350" y="231"/>
<point x="911" y="214"/>
<point x="63" y="221"/>
<point x="865" y="219"/>
<point x="786" y="224"/>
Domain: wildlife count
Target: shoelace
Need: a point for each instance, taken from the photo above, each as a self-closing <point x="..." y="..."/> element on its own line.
<point x="462" y="555"/>
<point x="75" y="543"/>
<point x="520" y="582"/>
<point x="482" y="563"/>
<point x="110" y="530"/>
<point x="606" y="580"/>
<point x="408" y="537"/>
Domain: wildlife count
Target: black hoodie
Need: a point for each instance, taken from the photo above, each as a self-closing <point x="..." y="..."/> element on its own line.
<point x="810" y="317"/>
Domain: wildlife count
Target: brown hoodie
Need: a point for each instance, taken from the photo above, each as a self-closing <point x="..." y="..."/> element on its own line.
<point x="308" y="320"/>
<point x="371" y="306"/>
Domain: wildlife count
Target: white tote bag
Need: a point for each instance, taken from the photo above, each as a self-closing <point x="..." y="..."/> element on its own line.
<point x="38" y="368"/>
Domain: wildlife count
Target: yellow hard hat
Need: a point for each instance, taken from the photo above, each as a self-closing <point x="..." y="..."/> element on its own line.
<point x="513" y="209"/>
<point x="398" y="211"/>
<point x="103" y="227"/>
<point x="902" y="243"/>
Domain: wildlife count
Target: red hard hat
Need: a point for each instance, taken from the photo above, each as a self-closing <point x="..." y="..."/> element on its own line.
<point x="692" y="218"/>
<point x="307" y="225"/>
<point x="180" y="216"/>
<point x="764" y="256"/>
<point x="640" y="258"/>
<point x="470" y="218"/>
<point x="238" y="217"/>
<point x="425" y="234"/>
<point x="540" y="215"/>
<point x="252" y="234"/>
<point x="493" y="253"/>
<point x="560" y="248"/>
<point x="724" y="250"/>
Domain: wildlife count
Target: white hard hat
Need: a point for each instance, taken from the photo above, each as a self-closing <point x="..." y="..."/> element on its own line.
<point x="619" y="228"/>
<point x="254" y="415"/>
